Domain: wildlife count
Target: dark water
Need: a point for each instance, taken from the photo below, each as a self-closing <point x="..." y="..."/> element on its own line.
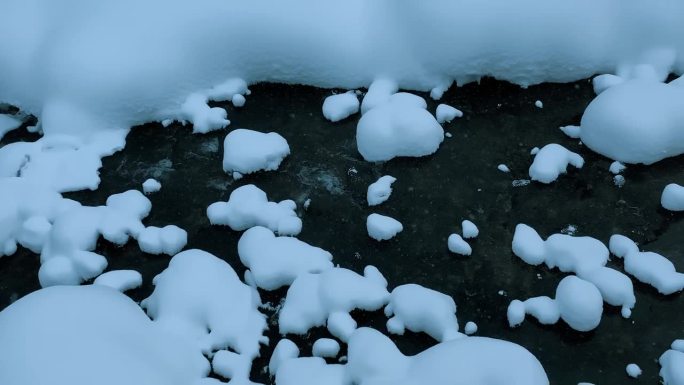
<point x="431" y="197"/>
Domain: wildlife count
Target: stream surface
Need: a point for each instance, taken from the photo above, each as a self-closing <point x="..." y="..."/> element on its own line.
<point x="431" y="196"/>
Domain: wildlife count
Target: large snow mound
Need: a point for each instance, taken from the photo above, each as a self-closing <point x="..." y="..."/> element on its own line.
<point x="75" y="334"/>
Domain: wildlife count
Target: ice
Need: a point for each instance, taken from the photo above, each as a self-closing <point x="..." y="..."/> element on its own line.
<point x="648" y="267"/>
<point x="399" y="126"/>
<point x="584" y="256"/>
<point x="167" y="240"/>
<point x="469" y="229"/>
<point x="633" y="370"/>
<point x="200" y="298"/>
<point x="340" y="106"/>
<point x="673" y="197"/>
<point x="276" y="261"/>
<point x="325" y="347"/>
<point x="285" y="350"/>
<point x="248" y="151"/>
<point x="637" y="121"/>
<point x="578" y="303"/>
<point x="151" y="186"/>
<point x="382" y="228"/>
<point x="457" y="245"/>
<point x="446" y="113"/>
<point x="248" y="206"/>
<point x="420" y="309"/>
<point x="121" y="280"/>
<point x="74" y="334"/>
<point x="551" y="161"/>
<point x="316" y="299"/>
<point x="8" y="123"/>
<point x="380" y="190"/>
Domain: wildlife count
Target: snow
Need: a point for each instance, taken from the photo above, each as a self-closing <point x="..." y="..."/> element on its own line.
<point x="276" y="261"/>
<point x="121" y="280"/>
<point x="317" y="299"/>
<point x="648" y="267"/>
<point x="399" y="126"/>
<point x="74" y="334"/>
<point x="673" y="197"/>
<point x="446" y="113"/>
<point x="605" y="81"/>
<point x="200" y="298"/>
<point x="539" y="104"/>
<point x="672" y="367"/>
<point x="470" y="328"/>
<point x="238" y="100"/>
<point x="247" y="151"/>
<point x="151" y="186"/>
<point x="551" y="161"/>
<point x="248" y="206"/>
<point x="578" y="303"/>
<point x="284" y="350"/>
<point x="8" y="123"/>
<point x="420" y="309"/>
<point x="637" y="121"/>
<point x="633" y="370"/>
<point x="584" y="256"/>
<point x="167" y="240"/>
<point x="503" y="168"/>
<point x="457" y="245"/>
<point x="382" y="228"/>
<point x="340" y="106"/>
<point x="204" y="118"/>
<point x="380" y="190"/>
<point x="325" y="347"/>
<point x="469" y="229"/>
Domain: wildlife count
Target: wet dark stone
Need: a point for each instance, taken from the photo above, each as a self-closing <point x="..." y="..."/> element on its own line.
<point x="431" y="197"/>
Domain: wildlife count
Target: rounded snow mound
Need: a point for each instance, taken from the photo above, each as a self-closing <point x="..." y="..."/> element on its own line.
<point x="78" y="335"/>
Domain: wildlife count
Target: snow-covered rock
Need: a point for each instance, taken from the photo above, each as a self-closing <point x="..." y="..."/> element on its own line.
<point x="400" y="126"/>
<point x="121" y="280"/>
<point x="672" y="365"/>
<point x="469" y="229"/>
<point x="646" y="266"/>
<point x="247" y="151"/>
<point x="380" y="190"/>
<point x="328" y="298"/>
<point x="633" y="370"/>
<point x="340" y="106"/>
<point x="578" y="303"/>
<point x="74" y="334"/>
<point x="637" y="121"/>
<point x="382" y="228"/>
<point x="457" y="245"/>
<point x="584" y="256"/>
<point x="552" y="161"/>
<point x="200" y="297"/>
<point x="325" y="347"/>
<point x="420" y="309"/>
<point x="167" y="240"/>
<point x="673" y="197"/>
<point x="248" y="206"/>
<point x="276" y="261"/>
<point x="151" y="186"/>
<point x="446" y="113"/>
